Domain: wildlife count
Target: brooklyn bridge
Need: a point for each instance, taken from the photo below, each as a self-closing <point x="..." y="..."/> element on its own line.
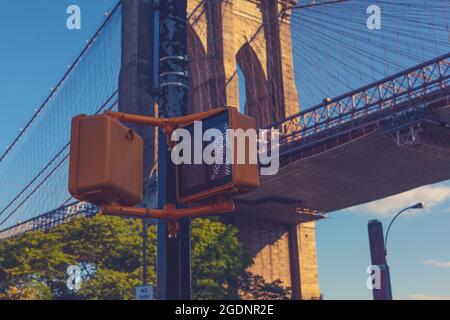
<point x="363" y="114"/>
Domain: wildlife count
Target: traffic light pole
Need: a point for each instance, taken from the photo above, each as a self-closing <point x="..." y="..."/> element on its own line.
<point x="174" y="254"/>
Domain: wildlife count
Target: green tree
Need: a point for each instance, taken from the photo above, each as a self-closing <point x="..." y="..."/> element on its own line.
<point x="109" y="251"/>
<point x="114" y="247"/>
<point x="256" y="288"/>
<point x="218" y="260"/>
<point x="37" y="258"/>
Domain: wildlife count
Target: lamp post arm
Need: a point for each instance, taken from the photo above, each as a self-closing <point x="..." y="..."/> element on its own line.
<point x="389" y="227"/>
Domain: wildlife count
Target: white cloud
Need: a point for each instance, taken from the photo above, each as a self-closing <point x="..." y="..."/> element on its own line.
<point x="416" y="296"/>
<point x="437" y="263"/>
<point x="432" y="195"/>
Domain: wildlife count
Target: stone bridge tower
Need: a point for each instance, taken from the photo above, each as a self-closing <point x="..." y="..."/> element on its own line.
<point x="256" y="36"/>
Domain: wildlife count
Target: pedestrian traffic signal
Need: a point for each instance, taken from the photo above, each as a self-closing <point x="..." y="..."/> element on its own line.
<point x="106" y="157"/>
<point x="229" y="139"/>
<point x="106" y="161"/>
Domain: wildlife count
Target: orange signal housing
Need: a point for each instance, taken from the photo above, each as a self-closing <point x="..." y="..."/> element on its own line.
<point x="244" y="177"/>
<point x="106" y="161"/>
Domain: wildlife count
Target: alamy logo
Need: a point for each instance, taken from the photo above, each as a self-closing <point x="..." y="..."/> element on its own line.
<point x="374" y="279"/>
<point x="78" y="274"/>
<point x="74" y="20"/>
<point x="74" y="280"/>
<point x="374" y="20"/>
<point x="231" y="146"/>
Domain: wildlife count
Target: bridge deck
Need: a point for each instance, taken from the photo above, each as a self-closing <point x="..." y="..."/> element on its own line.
<point x="366" y="169"/>
<point x="362" y="166"/>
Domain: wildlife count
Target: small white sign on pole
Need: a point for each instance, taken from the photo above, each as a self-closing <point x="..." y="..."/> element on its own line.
<point x="144" y="292"/>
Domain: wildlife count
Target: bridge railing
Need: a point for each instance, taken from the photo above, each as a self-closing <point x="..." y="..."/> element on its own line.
<point x="383" y="95"/>
<point x="50" y="220"/>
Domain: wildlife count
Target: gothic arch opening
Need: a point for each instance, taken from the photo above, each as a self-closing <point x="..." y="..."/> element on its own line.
<point x="241" y="89"/>
<point x="257" y="102"/>
<point x="200" y="76"/>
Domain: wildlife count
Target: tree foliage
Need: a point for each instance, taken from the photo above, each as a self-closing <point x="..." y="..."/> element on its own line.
<point x="109" y="251"/>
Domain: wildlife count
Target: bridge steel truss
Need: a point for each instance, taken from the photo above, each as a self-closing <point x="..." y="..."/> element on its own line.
<point x="51" y="219"/>
<point x="411" y="90"/>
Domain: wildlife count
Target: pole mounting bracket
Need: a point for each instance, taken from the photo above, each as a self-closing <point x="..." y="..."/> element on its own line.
<point x="170" y="213"/>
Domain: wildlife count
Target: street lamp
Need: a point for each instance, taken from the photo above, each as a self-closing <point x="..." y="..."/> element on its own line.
<point x="378" y="253"/>
<point x="419" y="205"/>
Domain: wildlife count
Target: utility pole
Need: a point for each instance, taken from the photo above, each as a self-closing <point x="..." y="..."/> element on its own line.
<point x="174" y="254"/>
<point x="378" y="258"/>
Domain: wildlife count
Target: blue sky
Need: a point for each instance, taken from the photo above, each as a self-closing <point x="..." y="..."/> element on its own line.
<point x="418" y="253"/>
<point x="35" y="50"/>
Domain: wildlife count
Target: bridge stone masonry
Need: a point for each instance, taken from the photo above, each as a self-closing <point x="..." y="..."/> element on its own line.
<point x="256" y="36"/>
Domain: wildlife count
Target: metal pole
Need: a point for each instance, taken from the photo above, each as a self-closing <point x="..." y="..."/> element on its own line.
<point x="378" y="258"/>
<point x="144" y="252"/>
<point x="173" y="259"/>
<point x="419" y="205"/>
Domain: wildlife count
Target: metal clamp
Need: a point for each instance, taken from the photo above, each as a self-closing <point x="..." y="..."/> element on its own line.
<point x="173" y="83"/>
<point x="181" y="58"/>
<point x="174" y="73"/>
